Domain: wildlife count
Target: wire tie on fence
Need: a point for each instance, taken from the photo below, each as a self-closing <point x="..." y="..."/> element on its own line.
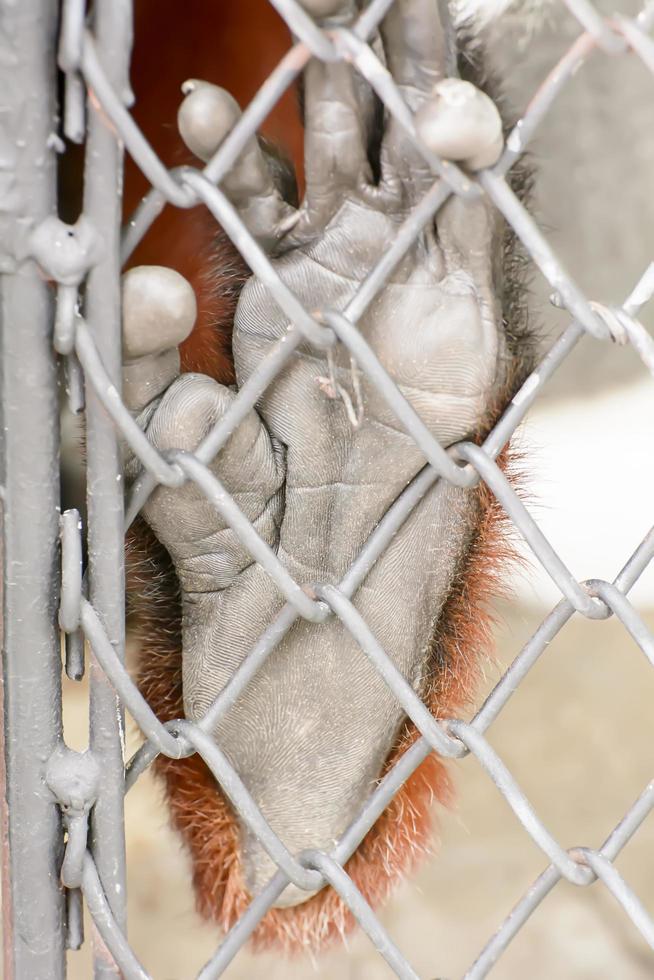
<point x="74" y="779"/>
<point x="621" y="321"/>
<point x="611" y="317"/>
<point x="601" y="608"/>
<point x="625" y="329"/>
<point x="578" y="855"/>
<point x="65" y="253"/>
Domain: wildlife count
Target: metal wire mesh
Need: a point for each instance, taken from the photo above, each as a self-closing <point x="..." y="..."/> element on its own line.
<point x="95" y="60"/>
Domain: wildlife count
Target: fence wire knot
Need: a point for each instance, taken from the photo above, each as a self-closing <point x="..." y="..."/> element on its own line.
<point x="73" y="778"/>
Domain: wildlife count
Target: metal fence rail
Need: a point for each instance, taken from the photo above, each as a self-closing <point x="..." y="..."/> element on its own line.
<point x="50" y="789"/>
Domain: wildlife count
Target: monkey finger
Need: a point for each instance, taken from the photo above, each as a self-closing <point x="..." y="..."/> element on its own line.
<point x="415" y="46"/>
<point x="459" y="122"/>
<point x="206" y="116"/>
<point x="159" y="311"/>
<point x="335" y="141"/>
<point x="337" y="122"/>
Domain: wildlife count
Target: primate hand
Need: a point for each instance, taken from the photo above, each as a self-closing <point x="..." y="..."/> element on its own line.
<point x="322" y="458"/>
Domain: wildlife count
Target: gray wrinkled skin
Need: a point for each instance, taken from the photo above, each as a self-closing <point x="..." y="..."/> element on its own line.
<point x="311" y="733"/>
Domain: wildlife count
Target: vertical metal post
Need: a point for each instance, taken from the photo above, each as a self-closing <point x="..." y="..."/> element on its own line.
<point x="112" y="27"/>
<point x="29" y="471"/>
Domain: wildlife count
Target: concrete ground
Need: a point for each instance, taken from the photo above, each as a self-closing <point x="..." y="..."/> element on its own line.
<point x="576" y="736"/>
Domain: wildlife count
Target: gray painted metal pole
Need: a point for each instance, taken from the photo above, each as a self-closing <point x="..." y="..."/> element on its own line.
<point x="33" y="900"/>
<point x="102" y="205"/>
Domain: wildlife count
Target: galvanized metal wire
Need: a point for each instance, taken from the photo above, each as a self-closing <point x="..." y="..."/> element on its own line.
<point x="94" y="58"/>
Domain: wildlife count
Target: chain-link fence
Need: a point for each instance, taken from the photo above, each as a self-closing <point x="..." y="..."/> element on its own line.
<point x="51" y="791"/>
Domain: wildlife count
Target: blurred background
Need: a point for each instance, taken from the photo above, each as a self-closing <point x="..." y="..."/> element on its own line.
<point x="577" y="735"/>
